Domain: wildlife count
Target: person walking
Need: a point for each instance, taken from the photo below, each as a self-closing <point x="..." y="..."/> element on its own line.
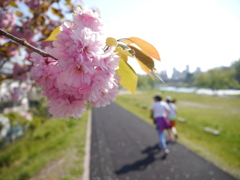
<point x="172" y="118"/>
<point x="160" y="111"/>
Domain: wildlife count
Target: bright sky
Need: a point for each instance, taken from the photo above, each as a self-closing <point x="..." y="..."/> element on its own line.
<point x="198" y="33"/>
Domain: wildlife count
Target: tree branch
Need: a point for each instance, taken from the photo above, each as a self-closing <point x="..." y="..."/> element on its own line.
<point x="2" y="62"/>
<point x="25" y="43"/>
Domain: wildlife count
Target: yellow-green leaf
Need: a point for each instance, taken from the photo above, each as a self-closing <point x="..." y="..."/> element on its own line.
<point x="123" y="56"/>
<point x="31" y="11"/>
<point x="123" y="51"/>
<point x="128" y="76"/>
<point x="77" y="8"/>
<point x="143" y="57"/>
<point x="53" y="34"/>
<point x="68" y="2"/>
<point x="12" y="3"/>
<point x="55" y="11"/>
<point x="126" y="40"/>
<point x="144" y="45"/>
<point x="2" y="76"/>
<point x="145" y="68"/>
<point x="41" y="19"/>
<point x="111" y="41"/>
<point x="18" y="13"/>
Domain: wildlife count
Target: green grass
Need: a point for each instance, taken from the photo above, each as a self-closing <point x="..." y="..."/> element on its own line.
<point x="56" y="148"/>
<point x="219" y="113"/>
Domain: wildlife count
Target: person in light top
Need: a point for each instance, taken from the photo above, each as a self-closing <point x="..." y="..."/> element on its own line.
<point x="172" y="118"/>
<point x="159" y="112"/>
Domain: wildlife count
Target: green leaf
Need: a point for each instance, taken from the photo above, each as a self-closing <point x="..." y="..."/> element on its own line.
<point x="144" y="45"/>
<point x="53" y="34"/>
<point x="128" y="76"/>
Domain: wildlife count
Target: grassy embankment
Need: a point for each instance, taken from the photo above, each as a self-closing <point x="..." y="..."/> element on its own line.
<point x="222" y="114"/>
<point x="55" y="150"/>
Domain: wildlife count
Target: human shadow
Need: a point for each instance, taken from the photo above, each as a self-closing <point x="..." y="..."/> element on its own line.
<point x="141" y="164"/>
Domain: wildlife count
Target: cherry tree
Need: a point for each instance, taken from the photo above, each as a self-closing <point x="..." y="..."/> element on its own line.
<point x="31" y="22"/>
<point x="70" y="60"/>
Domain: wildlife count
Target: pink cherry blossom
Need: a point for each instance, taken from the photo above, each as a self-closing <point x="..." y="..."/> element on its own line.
<point x="62" y="108"/>
<point x="25" y="32"/>
<point x="26" y="87"/>
<point x="64" y="46"/>
<point x="53" y="93"/>
<point x="109" y="60"/>
<point x="15" y="94"/>
<point x="45" y="70"/>
<point x="87" y="18"/>
<point x="7" y="19"/>
<point x="20" y="72"/>
<point x="104" y="88"/>
<point x="74" y="77"/>
<point x="83" y="73"/>
<point x="34" y="5"/>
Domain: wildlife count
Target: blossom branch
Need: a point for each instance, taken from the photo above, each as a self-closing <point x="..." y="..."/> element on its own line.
<point x="25" y="43"/>
<point x="2" y="62"/>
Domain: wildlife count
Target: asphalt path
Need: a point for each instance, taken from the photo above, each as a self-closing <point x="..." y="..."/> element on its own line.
<point x="124" y="147"/>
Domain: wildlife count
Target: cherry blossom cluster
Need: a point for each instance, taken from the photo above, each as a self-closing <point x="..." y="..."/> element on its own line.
<point x="19" y="72"/>
<point x="34" y="5"/>
<point x="83" y="73"/>
<point x="7" y="19"/>
<point x="23" y="25"/>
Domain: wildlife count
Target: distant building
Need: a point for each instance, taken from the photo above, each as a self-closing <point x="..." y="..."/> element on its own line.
<point x="163" y="75"/>
<point x="186" y="71"/>
<point x="197" y="71"/>
<point x="177" y="75"/>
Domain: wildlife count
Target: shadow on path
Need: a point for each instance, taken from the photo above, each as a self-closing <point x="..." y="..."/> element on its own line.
<point x="142" y="164"/>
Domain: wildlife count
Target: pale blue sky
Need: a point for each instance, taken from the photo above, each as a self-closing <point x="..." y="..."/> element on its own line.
<point x="198" y="33"/>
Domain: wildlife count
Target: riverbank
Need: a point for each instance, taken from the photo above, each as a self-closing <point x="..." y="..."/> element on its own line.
<point x="205" y="91"/>
<point x="199" y="111"/>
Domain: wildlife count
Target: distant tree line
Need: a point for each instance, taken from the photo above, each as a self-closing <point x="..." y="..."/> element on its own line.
<point x="217" y="78"/>
<point x="145" y="81"/>
<point x="220" y="78"/>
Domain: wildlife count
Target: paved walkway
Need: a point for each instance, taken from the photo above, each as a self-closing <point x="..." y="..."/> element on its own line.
<point x="123" y="147"/>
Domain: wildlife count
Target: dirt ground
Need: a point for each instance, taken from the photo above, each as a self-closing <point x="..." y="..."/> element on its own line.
<point x="60" y="168"/>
